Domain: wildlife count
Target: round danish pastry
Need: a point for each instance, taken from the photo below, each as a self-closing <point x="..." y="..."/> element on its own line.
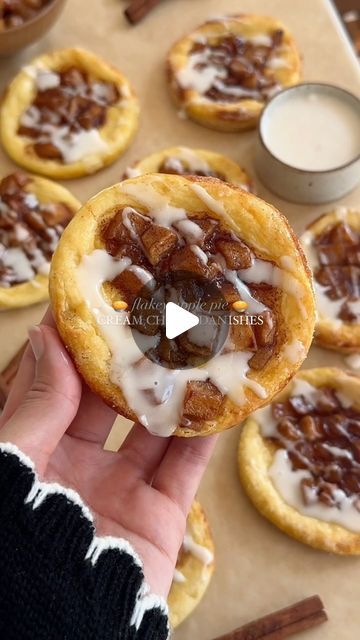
<point x="332" y="246"/>
<point x="299" y="460"/>
<point x="68" y="114"/>
<point x="197" y="162"/>
<point x="33" y="215"/>
<point x="158" y="243"/>
<point x="194" y="568"/>
<point x="223" y="73"/>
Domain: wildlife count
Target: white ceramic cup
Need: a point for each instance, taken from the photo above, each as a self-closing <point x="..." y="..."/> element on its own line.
<point x="301" y="185"/>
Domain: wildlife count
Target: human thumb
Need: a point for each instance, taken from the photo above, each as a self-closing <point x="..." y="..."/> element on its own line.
<point x="51" y="403"/>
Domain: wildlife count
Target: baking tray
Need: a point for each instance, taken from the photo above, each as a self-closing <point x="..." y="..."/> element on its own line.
<point x="258" y="569"/>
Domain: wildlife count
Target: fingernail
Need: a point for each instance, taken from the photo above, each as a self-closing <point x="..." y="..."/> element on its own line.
<point x="36" y="341"/>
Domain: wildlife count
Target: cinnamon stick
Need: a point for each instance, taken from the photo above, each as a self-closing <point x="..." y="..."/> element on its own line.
<point x="138" y="9"/>
<point x="283" y="623"/>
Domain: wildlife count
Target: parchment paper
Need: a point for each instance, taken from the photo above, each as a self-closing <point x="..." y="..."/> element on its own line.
<point x="258" y="568"/>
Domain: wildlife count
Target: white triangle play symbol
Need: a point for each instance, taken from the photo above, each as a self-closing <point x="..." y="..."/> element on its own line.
<point x="178" y="320"/>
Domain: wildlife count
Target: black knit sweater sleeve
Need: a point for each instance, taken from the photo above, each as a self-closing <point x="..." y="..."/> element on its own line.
<point x="58" y="580"/>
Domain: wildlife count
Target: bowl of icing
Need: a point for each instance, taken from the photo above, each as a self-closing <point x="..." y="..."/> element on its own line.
<point x="17" y="37"/>
<point x="308" y="146"/>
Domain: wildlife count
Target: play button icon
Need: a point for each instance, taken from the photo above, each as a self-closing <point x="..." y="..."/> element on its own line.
<point x="178" y="320"/>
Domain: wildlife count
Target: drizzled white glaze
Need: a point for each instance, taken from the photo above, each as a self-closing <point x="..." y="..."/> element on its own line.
<point x="135" y="374"/>
<point x="200" y="73"/>
<point x="199" y="253"/>
<point x="294" y="351"/>
<point x="353" y="361"/>
<point x="16" y="259"/>
<point x="265" y="271"/>
<point x="201" y="553"/>
<point x="27" y="266"/>
<point x="213" y="205"/>
<point x="132" y="172"/>
<point x="192" y="159"/>
<point x="325" y="307"/>
<point x="197" y="77"/>
<point x="287" y="480"/>
<point x="190" y="230"/>
<point x="147" y="196"/>
<point x="178" y="577"/>
<point x="278" y="63"/>
<point x="73" y="145"/>
<point x="47" y="79"/>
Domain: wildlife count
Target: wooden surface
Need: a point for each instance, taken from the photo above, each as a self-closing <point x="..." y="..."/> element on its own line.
<point x="258" y="568"/>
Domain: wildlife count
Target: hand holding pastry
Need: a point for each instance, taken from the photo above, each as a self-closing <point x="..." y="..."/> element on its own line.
<point x="201" y="244"/>
<point x="141" y="493"/>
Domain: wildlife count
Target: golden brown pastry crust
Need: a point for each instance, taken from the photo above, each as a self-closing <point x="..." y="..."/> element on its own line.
<point x="230" y="116"/>
<point x="255" y="456"/>
<point x="334" y="333"/>
<point x="217" y="163"/>
<point x="37" y="290"/>
<point x="185" y="596"/>
<point x="118" y="131"/>
<point x="257" y="223"/>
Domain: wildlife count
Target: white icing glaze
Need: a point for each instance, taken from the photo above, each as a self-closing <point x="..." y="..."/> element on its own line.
<point x="127" y="222"/>
<point x="304" y="129"/>
<point x="201" y="553"/>
<point x="294" y="351"/>
<point x="46" y="79"/>
<point x="254" y="306"/>
<point x="200" y="73"/>
<point x="77" y="145"/>
<point x="178" y="577"/>
<point x="264" y="271"/>
<point x="260" y="40"/>
<point x="132" y="172"/>
<point x="25" y="265"/>
<point x="199" y="253"/>
<point x="221" y="371"/>
<point x="16" y="259"/>
<point x="73" y="145"/>
<point x="144" y="276"/>
<point x="192" y="159"/>
<point x="325" y="307"/>
<point x="168" y="386"/>
<point x="287" y="480"/>
<point x="31" y="200"/>
<point x="196" y="76"/>
<point x="277" y="62"/>
<point x="190" y="230"/>
<point x="213" y="205"/>
<point x="203" y="335"/>
<point x="353" y="361"/>
<point x="147" y="196"/>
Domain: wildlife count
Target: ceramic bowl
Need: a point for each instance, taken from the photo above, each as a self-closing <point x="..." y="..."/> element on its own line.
<point x="300" y="185"/>
<point x="16" y="38"/>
